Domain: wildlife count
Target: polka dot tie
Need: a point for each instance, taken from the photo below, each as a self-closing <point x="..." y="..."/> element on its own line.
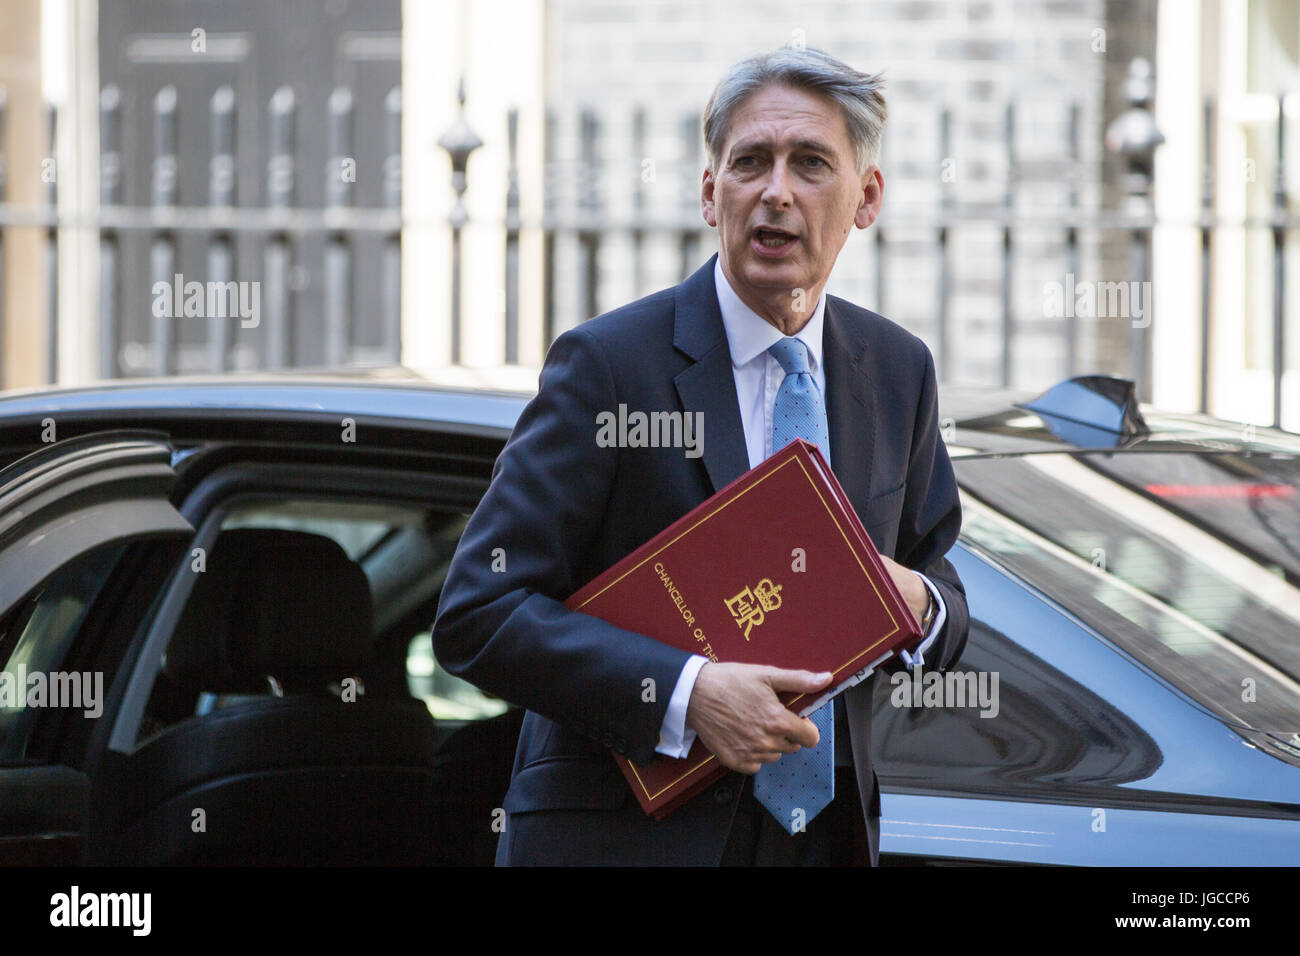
<point x="799" y="785"/>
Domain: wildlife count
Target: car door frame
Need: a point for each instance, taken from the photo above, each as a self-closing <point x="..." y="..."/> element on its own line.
<point x="58" y="504"/>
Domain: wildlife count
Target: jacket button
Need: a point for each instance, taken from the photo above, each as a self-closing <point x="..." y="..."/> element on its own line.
<point x="722" y="795"/>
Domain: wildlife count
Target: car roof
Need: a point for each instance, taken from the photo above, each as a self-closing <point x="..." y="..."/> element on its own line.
<point x="391" y="393"/>
<point x="989" y="422"/>
<point x="975" y="421"/>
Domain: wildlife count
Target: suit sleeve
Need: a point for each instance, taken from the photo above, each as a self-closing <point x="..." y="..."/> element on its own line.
<point x="929" y="525"/>
<point x="501" y="622"/>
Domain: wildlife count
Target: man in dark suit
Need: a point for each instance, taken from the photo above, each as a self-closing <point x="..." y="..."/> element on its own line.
<point x="792" y="138"/>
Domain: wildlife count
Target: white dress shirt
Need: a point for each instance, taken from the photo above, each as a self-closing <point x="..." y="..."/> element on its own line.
<point x="758" y="378"/>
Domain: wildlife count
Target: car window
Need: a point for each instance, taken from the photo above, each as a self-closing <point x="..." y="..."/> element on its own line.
<point x="1250" y="501"/>
<point x="35" y="639"/>
<point x="404" y="551"/>
<point x="1120" y="541"/>
<point x="1008" y="722"/>
<point x="356" y="526"/>
<point x="364" y="530"/>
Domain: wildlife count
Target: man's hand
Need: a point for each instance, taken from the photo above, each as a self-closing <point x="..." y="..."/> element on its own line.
<point x="736" y="713"/>
<point x="910" y="585"/>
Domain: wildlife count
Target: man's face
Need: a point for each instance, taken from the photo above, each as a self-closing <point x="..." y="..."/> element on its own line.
<point x="787" y="164"/>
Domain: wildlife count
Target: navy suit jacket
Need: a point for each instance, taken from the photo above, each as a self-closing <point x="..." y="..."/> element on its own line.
<point x="562" y="509"/>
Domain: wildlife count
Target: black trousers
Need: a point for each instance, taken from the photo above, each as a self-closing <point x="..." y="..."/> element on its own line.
<point x="835" y="837"/>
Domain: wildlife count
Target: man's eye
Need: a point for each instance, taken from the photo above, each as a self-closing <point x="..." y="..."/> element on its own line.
<point x="816" y="159"/>
<point x="746" y="161"/>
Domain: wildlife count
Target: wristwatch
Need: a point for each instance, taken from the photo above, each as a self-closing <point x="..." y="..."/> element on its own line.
<point x="931" y="609"/>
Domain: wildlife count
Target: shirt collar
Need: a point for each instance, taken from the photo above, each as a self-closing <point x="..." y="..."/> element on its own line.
<point x="749" y="335"/>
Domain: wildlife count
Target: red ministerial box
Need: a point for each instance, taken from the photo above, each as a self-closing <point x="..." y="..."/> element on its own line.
<point x="776" y="569"/>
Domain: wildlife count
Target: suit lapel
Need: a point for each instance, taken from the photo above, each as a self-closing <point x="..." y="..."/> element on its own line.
<point x="709" y="384"/>
<point x="850" y="410"/>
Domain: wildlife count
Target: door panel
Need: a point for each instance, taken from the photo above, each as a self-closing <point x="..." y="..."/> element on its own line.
<point x="917" y="829"/>
<point x="44" y="809"/>
<point x="67" y="513"/>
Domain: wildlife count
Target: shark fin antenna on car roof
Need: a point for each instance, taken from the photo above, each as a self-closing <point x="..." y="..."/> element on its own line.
<point x="1091" y="411"/>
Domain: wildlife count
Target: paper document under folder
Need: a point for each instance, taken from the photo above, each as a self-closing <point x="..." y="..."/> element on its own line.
<point x="840" y="688"/>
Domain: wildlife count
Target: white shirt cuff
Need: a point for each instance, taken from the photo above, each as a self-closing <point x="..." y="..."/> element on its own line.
<point x="916" y="658"/>
<point x="675" y="738"/>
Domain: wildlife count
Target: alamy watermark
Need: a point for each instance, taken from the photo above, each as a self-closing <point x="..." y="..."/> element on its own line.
<point x="75" y="690"/>
<point x="220" y="300"/>
<point x="1098" y="300"/>
<point x="77" y="908"/>
<point x="947" y="690"/>
<point x="639" y="429"/>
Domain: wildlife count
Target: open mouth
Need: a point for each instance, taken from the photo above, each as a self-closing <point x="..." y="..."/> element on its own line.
<point x="774" y="239"/>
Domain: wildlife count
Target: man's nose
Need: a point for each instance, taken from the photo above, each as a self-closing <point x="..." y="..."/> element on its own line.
<point x="776" y="192"/>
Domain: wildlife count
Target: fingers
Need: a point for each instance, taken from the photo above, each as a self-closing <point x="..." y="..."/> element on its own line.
<point x="804" y="733"/>
<point x="804" y="682"/>
<point x="788" y="734"/>
<point x="787" y="746"/>
<point x="755" y="762"/>
<point x="736" y="712"/>
<point x="792" y="738"/>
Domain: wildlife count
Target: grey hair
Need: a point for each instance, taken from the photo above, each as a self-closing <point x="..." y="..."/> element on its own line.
<point x="806" y="68"/>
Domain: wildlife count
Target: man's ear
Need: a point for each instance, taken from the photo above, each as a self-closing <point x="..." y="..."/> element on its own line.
<point x="706" y="199"/>
<point x="873" y="195"/>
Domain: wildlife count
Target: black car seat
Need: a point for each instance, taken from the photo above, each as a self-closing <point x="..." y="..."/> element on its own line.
<point x="283" y="758"/>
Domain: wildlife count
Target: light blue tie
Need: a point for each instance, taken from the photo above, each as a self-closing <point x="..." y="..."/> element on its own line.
<point x="799" y="786"/>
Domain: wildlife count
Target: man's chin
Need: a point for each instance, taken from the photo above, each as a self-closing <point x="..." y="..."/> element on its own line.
<point x="769" y="274"/>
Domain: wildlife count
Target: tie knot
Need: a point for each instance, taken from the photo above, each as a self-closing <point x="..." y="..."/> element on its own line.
<point x="792" y="354"/>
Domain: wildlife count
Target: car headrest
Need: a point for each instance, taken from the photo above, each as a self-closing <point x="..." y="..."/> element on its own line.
<point x="270" y="602"/>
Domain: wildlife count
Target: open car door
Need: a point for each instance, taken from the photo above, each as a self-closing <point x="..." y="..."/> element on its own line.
<point x="68" y="513"/>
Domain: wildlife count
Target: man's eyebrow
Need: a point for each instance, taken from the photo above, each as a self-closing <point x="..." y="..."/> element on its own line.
<point x="812" y="145"/>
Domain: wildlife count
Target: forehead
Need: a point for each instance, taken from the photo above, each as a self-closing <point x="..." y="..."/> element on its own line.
<point x="776" y="114"/>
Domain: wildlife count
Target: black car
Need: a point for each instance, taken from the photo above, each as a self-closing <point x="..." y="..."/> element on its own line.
<point x="218" y="596"/>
